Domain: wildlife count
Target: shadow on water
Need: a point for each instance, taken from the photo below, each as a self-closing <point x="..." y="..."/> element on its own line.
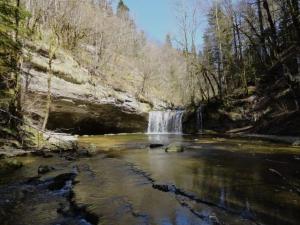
<point x="214" y="181"/>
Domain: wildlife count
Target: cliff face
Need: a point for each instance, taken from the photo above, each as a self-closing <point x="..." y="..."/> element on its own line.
<point x="81" y="103"/>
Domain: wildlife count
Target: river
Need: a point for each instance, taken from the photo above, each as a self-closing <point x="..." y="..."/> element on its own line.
<point x="215" y="180"/>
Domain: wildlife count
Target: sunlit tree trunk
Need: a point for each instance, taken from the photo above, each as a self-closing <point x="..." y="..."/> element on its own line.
<point x="220" y="61"/>
<point x="52" y="51"/>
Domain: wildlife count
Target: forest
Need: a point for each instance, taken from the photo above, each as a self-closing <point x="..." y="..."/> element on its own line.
<point x="247" y="46"/>
<point x="199" y="128"/>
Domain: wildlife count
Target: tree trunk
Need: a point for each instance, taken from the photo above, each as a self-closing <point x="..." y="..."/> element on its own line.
<point x="15" y="104"/>
<point x="234" y="37"/>
<point x="210" y="82"/>
<point x="261" y="29"/>
<point x="48" y="103"/>
<point x="220" y="63"/>
<point x="294" y="12"/>
<point x="272" y="27"/>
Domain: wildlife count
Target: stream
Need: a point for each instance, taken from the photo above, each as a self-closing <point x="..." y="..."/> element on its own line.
<point x="215" y="180"/>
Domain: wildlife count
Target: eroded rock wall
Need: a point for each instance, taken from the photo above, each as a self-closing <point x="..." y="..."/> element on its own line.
<point x="81" y="103"/>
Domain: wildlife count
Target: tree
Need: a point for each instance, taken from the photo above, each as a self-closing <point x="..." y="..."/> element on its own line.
<point x="188" y="24"/>
<point x="122" y="10"/>
<point x="11" y="18"/>
<point x="53" y="47"/>
<point x="168" y="41"/>
<point x="54" y="43"/>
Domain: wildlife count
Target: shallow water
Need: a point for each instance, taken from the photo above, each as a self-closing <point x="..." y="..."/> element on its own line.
<point x="214" y="181"/>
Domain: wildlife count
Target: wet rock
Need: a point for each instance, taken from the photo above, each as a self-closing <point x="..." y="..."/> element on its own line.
<point x="81" y="209"/>
<point x="165" y="187"/>
<point x="60" y="181"/>
<point x="70" y="158"/>
<point x="38" y="153"/>
<point x="33" y="181"/>
<point x="161" y="187"/>
<point x="9" y="164"/>
<point x="15" y="164"/>
<point x="41" y="153"/>
<point x="155" y="145"/>
<point x="60" y="141"/>
<point x="174" y="147"/>
<point x="84" y="153"/>
<point x="47" y="156"/>
<point x="43" y="169"/>
<point x="214" y="220"/>
<point x="64" y="210"/>
<point x="75" y="154"/>
<point x="296" y="143"/>
<point x="9" y="151"/>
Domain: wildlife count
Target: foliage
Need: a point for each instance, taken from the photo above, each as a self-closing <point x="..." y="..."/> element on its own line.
<point x="122" y="10"/>
<point x="11" y="22"/>
<point x="245" y="43"/>
<point x="111" y="47"/>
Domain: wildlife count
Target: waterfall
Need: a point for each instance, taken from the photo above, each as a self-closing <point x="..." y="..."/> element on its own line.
<point x="165" y="122"/>
<point x="199" y="119"/>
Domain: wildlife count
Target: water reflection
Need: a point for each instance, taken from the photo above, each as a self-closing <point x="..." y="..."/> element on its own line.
<point x="214" y="181"/>
<point x="232" y="176"/>
<point x="164" y="138"/>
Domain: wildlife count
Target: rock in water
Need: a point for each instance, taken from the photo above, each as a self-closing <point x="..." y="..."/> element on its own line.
<point x="43" y="169"/>
<point x="15" y="164"/>
<point x="9" y="164"/>
<point x="155" y="145"/>
<point x="296" y="143"/>
<point x="59" y="181"/>
<point x="83" y="153"/>
<point x="174" y="147"/>
<point x="161" y="187"/>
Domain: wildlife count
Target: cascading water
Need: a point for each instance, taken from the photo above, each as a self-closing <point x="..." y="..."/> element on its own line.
<point x="165" y="122"/>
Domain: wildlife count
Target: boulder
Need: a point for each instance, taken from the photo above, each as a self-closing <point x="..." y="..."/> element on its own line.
<point x="10" y="164"/>
<point x="174" y="147"/>
<point x="155" y="145"/>
<point x="83" y="153"/>
<point x="43" y="169"/>
<point x="296" y="143"/>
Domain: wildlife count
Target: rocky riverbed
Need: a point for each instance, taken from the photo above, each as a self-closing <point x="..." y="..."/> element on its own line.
<point x="134" y="179"/>
<point x="38" y="189"/>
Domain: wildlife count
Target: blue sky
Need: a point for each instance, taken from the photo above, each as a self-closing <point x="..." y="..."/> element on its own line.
<point x="155" y="17"/>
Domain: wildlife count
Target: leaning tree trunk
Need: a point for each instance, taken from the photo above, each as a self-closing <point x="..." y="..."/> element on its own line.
<point x="48" y="103"/>
<point x="52" y="51"/>
<point x="273" y="29"/>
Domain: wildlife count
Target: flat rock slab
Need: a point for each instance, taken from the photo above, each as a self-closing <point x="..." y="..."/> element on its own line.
<point x="11" y="152"/>
<point x="174" y="147"/>
<point x="295" y="141"/>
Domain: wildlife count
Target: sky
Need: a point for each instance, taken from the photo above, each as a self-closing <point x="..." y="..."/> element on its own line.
<point x="155" y="17"/>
